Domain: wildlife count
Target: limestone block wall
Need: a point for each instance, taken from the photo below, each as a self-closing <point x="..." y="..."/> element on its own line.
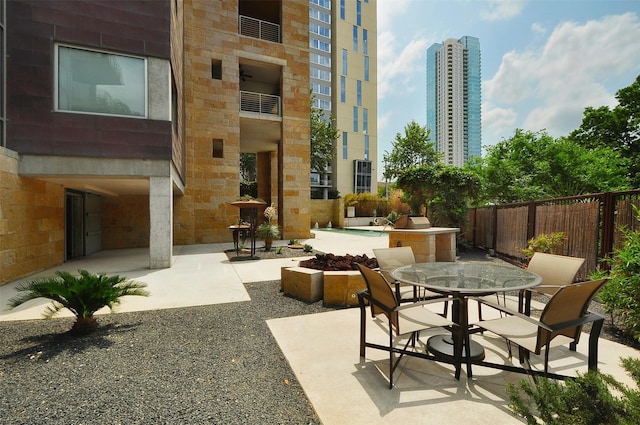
<point x="203" y="213"/>
<point x="31" y="222"/>
<point x="125" y="222"/>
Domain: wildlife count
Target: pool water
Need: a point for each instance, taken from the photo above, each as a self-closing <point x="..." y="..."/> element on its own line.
<point x="359" y="232"/>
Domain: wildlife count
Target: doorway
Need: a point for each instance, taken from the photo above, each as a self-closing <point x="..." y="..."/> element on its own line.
<point x="83" y="224"/>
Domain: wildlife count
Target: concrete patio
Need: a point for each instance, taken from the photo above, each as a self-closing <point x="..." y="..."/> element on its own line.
<point x="322" y="349"/>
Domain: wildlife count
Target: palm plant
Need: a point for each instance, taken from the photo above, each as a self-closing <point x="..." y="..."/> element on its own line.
<point x="83" y="295"/>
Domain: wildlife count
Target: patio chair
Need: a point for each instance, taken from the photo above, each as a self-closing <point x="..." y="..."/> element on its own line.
<point x="401" y="321"/>
<point x="555" y="270"/>
<point x="392" y="258"/>
<point x="561" y="322"/>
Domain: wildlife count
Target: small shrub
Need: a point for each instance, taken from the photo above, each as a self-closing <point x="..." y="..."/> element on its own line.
<point x="279" y="250"/>
<point x="587" y="399"/>
<point x="621" y="296"/>
<point x="549" y="243"/>
<point x="307" y="248"/>
<point x="83" y="295"/>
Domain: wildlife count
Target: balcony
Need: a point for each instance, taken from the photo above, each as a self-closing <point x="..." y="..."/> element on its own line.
<point x="260" y="103"/>
<point x="257" y="28"/>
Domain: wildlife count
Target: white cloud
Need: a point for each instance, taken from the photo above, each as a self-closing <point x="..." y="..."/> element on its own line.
<point x="500" y="10"/>
<point x="396" y="70"/>
<point x="538" y="28"/>
<point x="568" y="73"/>
<point x="497" y="121"/>
<point x="387" y="9"/>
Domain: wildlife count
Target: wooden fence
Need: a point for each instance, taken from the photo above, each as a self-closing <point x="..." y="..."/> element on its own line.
<point x="592" y="225"/>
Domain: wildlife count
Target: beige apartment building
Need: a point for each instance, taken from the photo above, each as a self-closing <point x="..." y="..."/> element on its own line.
<point x="343" y="75"/>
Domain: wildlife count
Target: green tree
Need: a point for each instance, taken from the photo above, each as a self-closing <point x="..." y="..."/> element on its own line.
<point x="248" y="167"/>
<point x="617" y="128"/>
<point x="323" y="134"/>
<point x="444" y="190"/>
<point x="83" y="295"/>
<point x="412" y="149"/>
<point x="534" y="165"/>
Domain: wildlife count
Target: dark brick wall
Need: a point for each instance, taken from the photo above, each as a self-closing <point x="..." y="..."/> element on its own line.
<point x="33" y="27"/>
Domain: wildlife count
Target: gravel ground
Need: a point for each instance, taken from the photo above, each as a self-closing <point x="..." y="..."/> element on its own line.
<point x="214" y="364"/>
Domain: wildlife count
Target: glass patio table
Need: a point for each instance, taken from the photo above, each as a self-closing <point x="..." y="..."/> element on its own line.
<point x="462" y="280"/>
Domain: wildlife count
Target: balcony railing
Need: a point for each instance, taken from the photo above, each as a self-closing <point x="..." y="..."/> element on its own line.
<point x="256" y="28"/>
<point x="259" y="103"/>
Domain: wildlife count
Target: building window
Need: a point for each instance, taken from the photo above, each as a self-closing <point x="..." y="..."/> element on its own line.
<point x="366" y="68"/>
<point x="358" y="13"/>
<point x="94" y="82"/>
<point x="359" y="93"/>
<point x="342" y="13"/>
<point x="321" y="89"/>
<point x="343" y="89"/>
<point x="320" y="45"/>
<point x="319" y="29"/>
<point x="320" y="16"/>
<point x="355" y="119"/>
<point x="366" y="147"/>
<point x="320" y="74"/>
<point x="216" y="69"/>
<point x="345" y="150"/>
<point x="319" y="59"/>
<point x="365" y="41"/>
<point x="322" y="3"/>
<point x="218" y="148"/>
<point x="355" y="38"/>
<point x="345" y="63"/>
<point x="365" y="120"/>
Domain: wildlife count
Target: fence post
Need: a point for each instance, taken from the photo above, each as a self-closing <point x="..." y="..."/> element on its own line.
<point x="531" y="221"/>
<point x="608" y="221"/>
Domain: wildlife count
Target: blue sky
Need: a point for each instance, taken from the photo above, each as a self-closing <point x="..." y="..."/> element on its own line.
<point x="543" y="61"/>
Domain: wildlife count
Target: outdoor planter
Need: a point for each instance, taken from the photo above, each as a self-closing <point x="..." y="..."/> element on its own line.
<point x="334" y="287"/>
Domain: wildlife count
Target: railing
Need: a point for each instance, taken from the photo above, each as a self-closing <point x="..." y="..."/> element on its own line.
<point x="259" y="103"/>
<point x="256" y="28"/>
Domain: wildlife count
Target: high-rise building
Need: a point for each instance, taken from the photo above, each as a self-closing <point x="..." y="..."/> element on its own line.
<point x="343" y="76"/>
<point x="454" y="97"/>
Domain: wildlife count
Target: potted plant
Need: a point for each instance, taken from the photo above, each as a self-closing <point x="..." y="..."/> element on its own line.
<point x="268" y="231"/>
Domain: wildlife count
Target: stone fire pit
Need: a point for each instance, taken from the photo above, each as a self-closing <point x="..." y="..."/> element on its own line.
<point x="331" y="278"/>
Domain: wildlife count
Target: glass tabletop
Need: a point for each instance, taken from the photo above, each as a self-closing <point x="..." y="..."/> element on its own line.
<point x="467" y="277"/>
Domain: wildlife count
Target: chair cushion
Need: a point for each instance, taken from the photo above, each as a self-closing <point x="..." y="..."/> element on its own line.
<point x="418" y="318"/>
<point x="520" y="331"/>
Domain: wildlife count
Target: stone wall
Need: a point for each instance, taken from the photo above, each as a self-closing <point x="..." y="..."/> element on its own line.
<point x="212" y="105"/>
<point x="125" y="222"/>
<point x="324" y="211"/>
<point x="31" y="222"/>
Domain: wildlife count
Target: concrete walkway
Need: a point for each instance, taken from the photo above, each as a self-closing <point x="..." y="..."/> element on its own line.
<point x="322" y="349"/>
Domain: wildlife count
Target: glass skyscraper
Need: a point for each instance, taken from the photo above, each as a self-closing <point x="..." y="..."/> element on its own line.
<point x="454" y="97"/>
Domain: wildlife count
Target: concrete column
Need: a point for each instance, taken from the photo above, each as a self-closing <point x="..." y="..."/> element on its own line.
<point x="161" y="220"/>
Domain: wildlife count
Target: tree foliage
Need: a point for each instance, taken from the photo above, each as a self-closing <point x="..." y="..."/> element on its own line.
<point x="412" y="149"/>
<point x="617" y="129"/>
<point x="323" y="134"/>
<point x="444" y="190"/>
<point x="534" y="165"/>
<point x="248" y="167"/>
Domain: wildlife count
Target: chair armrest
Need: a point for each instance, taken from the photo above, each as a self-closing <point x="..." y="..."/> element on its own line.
<point x="590" y="317"/>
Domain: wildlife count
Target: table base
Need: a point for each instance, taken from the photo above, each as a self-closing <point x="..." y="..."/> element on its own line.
<point x="442" y="345"/>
